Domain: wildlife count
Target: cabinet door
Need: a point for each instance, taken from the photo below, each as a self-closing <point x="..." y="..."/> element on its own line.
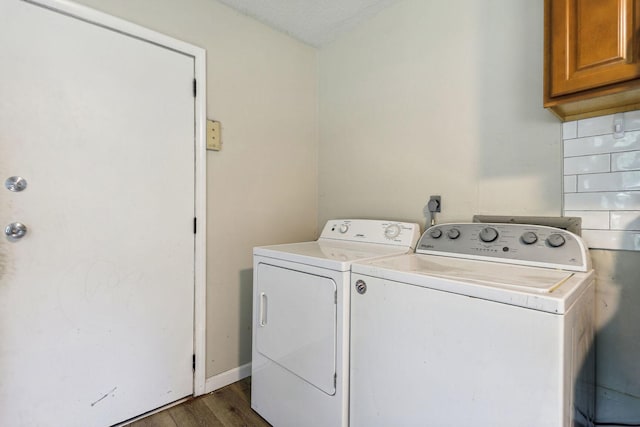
<point x="593" y="43"/>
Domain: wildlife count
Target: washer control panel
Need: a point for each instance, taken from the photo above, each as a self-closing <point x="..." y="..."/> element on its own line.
<point x="372" y="231"/>
<point x="524" y="244"/>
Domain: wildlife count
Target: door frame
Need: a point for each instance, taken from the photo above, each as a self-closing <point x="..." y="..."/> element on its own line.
<point x="199" y="55"/>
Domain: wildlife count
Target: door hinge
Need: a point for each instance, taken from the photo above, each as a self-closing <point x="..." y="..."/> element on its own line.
<point x="195" y="225"/>
<point x="193" y="365"/>
<point x="195" y="86"/>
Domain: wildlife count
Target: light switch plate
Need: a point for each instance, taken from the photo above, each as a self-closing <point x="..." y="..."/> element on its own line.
<point x="213" y="136"/>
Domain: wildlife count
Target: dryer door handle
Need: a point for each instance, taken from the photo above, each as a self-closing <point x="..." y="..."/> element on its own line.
<point x="263" y="309"/>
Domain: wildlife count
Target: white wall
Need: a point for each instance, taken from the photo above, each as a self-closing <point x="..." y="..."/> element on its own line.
<point x="262" y="186"/>
<point x="438" y="98"/>
<point x="445" y="97"/>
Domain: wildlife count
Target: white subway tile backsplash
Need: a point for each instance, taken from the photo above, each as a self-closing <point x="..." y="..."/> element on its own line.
<point x="625" y="161"/>
<point x="601" y="179"/>
<point x="598" y="220"/>
<point x="605" y="201"/>
<point x="607" y="239"/>
<point x="616" y="181"/>
<point x="625" y="220"/>
<point x="601" y="144"/>
<point x="587" y="164"/>
<point x="570" y="130"/>
<point x="570" y="183"/>
<point x="632" y="120"/>
<point x="595" y="126"/>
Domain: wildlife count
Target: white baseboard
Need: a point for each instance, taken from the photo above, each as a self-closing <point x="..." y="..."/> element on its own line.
<point x="225" y="378"/>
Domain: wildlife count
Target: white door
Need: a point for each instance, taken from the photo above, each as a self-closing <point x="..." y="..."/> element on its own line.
<point x="96" y="300"/>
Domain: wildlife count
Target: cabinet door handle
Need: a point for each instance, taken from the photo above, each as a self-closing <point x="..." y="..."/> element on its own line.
<point x="263" y="309"/>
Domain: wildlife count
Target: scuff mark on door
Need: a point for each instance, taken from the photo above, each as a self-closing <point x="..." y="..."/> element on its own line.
<point x="104" y="397"/>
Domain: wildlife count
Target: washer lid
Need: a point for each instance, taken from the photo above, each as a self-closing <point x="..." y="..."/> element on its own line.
<point x="331" y="254"/>
<point x="509" y="276"/>
<point x="538" y="288"/>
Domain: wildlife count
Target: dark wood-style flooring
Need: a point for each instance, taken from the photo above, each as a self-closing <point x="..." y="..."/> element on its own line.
<point x="229" y="406"/>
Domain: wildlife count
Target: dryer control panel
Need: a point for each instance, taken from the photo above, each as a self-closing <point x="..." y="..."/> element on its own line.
<point x="372" y="231"/>
<point x="522" y="244"/>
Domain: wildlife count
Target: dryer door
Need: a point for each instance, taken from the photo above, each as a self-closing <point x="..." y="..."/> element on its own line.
<point x="296" y="323"/>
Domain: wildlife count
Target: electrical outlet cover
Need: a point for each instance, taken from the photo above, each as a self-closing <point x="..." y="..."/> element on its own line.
<point x="213" y="136"/>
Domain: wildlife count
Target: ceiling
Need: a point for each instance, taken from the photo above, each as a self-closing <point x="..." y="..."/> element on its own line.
<point x="315" y="22"/>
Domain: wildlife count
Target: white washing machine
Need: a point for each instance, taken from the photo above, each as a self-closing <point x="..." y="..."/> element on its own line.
<point x="300" y="366"/>
<point x="486" y="325"/>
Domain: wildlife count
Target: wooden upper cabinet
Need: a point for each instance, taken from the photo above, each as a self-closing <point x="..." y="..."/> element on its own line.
<point x="591" y="57"/>
<point x="592" y="45"/>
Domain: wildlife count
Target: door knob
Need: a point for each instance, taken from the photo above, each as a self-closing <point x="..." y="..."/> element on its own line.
<point x="15" y="230"/>
<point x="15" y="184"/>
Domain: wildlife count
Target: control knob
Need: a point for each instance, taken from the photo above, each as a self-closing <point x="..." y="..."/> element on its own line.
<point x="453" y="233"/>
<point x="488" y="234"/>
<point x="436" y="233"/>
<point x="555" y="240"/>
<point x="392" y="231"/>
<point x="529" y="238"/>
<point x="344" y="228"/>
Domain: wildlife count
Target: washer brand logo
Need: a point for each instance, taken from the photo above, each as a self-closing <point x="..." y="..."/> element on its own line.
<point x="359" y="235"/>
<point x="426" y="246"/>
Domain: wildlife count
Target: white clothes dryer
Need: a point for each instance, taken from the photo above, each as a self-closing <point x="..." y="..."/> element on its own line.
<point x="486" y="325"/>
<point x="300" y="354"/>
